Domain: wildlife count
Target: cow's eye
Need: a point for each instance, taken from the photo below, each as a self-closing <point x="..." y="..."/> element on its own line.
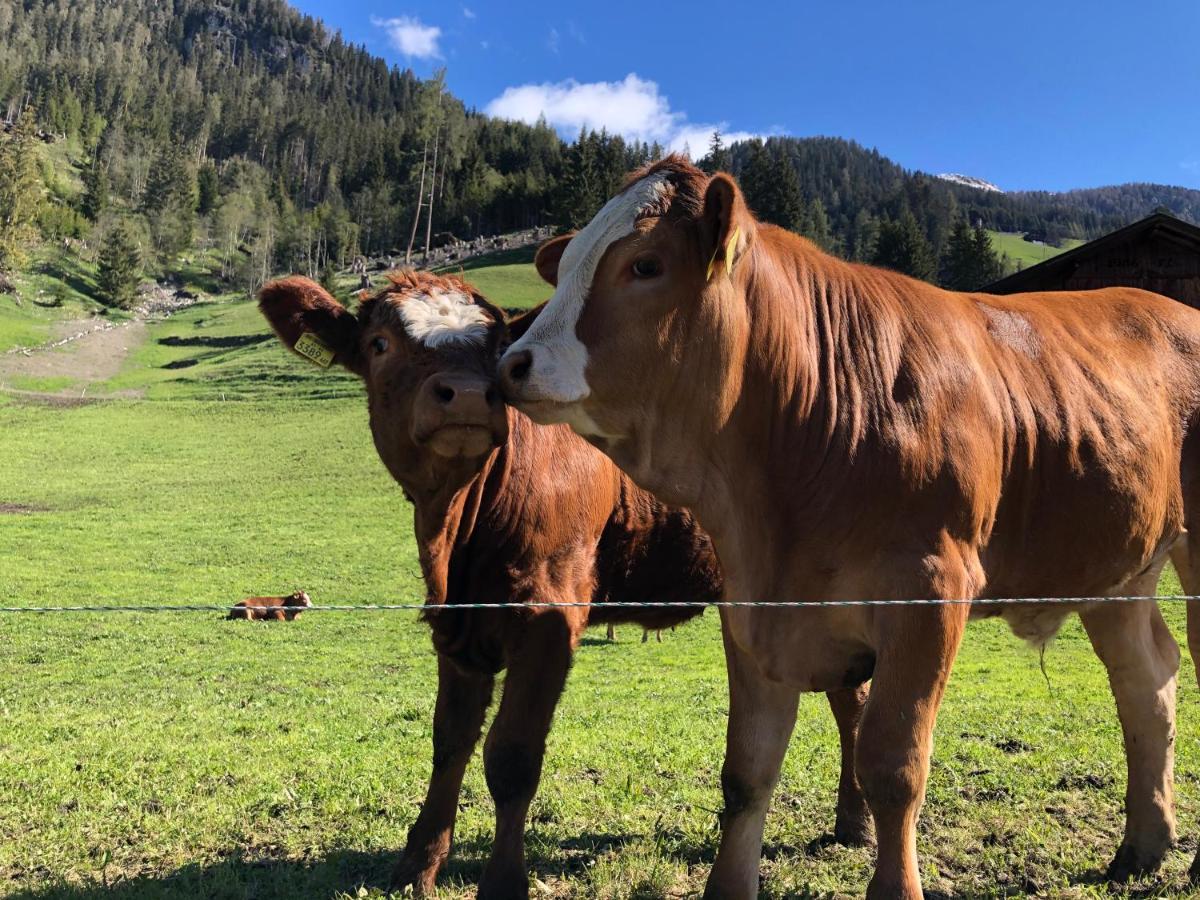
<point x="379" y="344"/>
<point x="646" y="268"/>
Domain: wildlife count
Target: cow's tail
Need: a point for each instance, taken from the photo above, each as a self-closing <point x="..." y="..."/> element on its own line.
<point x="1185" y="553"/>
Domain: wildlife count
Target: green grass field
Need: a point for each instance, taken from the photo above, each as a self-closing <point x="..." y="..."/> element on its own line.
<point x="1017" y="249"/>
<point x="507" y="277"/>
<point x="151" y="756"/>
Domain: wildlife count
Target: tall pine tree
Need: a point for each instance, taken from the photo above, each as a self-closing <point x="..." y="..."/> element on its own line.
<point x="902" y="246"/>
<point x="120" y="267"/>
<point x="20" y="192"/>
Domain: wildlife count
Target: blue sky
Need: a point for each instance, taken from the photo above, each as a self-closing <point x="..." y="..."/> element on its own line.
<point x="1048" y="95"/>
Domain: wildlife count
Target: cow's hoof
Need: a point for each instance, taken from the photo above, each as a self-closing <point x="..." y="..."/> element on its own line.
<point x="1194" y="871"/>
<point x="411" y="874"/>
<point x="508" y="888"/>
<point x="854" y="832"/>
<point x="1131" y="863"/>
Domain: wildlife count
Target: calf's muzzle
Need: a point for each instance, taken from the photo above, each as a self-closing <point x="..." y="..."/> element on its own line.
<point x="459" y="415"/>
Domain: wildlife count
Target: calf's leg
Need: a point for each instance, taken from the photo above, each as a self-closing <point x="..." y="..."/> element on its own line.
<point x="516" y="745"/>
<point x="462" y="701"/>
<point x="762" y="714"/>
<point x="1142" y="660"/>
<point x="852" y="826"/>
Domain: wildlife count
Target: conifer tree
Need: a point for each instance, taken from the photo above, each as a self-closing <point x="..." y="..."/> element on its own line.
<point x="120" y="267"/>
<point x="902" y="246"/>
<point x="20" y="192"/>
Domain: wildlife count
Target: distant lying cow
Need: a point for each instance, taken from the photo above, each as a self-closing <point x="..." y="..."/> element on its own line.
<point x="278" y="609"/>
<point x="505" y="511"/>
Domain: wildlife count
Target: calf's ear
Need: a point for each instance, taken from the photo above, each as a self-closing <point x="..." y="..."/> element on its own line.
<point x="519" y="324"/>
<point x="549" y="255"/>
<point x="297" y="307"/>
<point x="726" y="226"/>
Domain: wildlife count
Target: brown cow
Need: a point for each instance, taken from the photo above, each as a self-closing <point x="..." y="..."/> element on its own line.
<point x="506" y="511"/>
<point x="846" y="432"/>
<point x="277" y="609"/>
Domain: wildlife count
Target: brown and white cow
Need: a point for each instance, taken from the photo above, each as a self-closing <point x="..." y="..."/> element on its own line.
<point x="846" y="432"/>
<point x="505" y="511"/>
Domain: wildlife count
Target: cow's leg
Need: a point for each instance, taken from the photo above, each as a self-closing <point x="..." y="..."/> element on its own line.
<point x="1185" y="555"/>
<point x="516" y="744"/>
<point x="1142" y="659"/>
<point x="462" y="701"/>
<point x="762" y="714"/>
<point x="915" y="651"/>
<point x="853" y="824"/>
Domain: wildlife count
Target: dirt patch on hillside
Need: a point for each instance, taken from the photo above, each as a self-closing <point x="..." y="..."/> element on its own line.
<point x="96" y="356"/>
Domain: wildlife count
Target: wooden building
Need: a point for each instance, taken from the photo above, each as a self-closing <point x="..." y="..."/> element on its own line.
<point x="1159" y="253"/>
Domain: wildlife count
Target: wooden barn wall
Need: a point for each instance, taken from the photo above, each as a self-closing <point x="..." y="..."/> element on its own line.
<point x="1156" y="263"/>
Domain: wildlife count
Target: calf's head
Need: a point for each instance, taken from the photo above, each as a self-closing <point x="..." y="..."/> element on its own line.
<point x="644" y="304"/>
<point x="426" y="349"/>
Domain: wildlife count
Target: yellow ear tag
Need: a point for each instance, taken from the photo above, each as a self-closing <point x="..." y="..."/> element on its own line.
<point x="311" y="348"/>
<point x="730" y="247"/>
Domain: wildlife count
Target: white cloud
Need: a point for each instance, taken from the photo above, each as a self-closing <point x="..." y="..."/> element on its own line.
<point x="633" y="108"/>
<point x="468" y="13"/>
<point x="411" y="37"/>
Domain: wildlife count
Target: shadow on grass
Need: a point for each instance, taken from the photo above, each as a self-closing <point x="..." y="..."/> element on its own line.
<point x="223" y="343"/>
<point x="341" y="871"/>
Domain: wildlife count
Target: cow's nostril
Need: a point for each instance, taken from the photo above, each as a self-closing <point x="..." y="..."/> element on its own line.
<point x="490" y="397"/>
<point x="444" y="393"/>
<point x="518" y="365"/>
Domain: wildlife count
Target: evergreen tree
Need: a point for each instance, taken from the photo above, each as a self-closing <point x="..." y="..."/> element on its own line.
<point x="772" y="188"/>
<point x="95" y="191"/>
<point x="718" y="159"/>
<point x="816" y="225"/>
<point x="120" y="267"/>
<point x="20" y="192"/>
<point x="208" y="189"/>
<point x="169" y="202"/>
<point x="969" y="261"/>
<point x="903" y="247"/>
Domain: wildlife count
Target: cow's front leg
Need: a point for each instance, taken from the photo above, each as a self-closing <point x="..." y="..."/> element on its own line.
<point x="462" y="701"/>
<point x="516" y="744"/>
<point x="762" y="714"/>
<point x="852" y="827"/>
<point x="915" y="651"/>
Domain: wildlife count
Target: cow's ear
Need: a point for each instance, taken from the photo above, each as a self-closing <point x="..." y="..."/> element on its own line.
<point x="519" y="324"/>
<point x="297" y="307"/>
<point x="549" y="255"/>
<point x="726" y="227"/>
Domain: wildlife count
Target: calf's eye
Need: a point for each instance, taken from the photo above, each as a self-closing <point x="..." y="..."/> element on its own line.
<point x="379" y="344"/>
<point x="646" y="268"/>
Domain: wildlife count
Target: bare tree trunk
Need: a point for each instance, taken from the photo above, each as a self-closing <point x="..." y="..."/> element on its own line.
<point x="420" y="200"/>
<point x="432" y="189"/>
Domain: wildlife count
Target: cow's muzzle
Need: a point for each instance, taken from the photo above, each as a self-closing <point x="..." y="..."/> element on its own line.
<point x="458" y="415"/>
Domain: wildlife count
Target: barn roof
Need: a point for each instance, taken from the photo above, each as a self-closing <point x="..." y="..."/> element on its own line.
<point x="1158" y="224"/>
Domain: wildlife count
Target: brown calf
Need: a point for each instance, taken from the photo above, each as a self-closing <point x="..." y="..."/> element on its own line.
<point x="505" y="511"/>
<point x="844" y="432"/>
<point x="278" y="609"/>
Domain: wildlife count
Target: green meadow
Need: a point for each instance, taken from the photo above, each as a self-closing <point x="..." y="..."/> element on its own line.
<point x="154" y="755"/>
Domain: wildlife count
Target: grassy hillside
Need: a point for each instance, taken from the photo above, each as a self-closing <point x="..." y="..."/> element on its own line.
<point x="1026" y="253"/>
<point x="507" y="278"/>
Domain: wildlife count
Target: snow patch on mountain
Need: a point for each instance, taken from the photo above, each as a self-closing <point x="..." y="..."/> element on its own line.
<point x="969" y="181"/>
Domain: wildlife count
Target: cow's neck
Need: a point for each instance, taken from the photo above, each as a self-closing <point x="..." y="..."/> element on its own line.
<point x="446" y="516"/>
<point x="812" y="379"/>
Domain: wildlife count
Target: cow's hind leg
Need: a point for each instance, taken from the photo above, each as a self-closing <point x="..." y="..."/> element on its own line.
<point x="1142" y="660"/>
<point x="462" y="701"/>
<point x="516" y="745"/>
<point x="852" y="827"/>
<point x="1185" y="556"/>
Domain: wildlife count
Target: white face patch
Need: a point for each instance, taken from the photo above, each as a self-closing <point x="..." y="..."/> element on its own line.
<point x="444" y="317"/>
<point x="559" y="358"/>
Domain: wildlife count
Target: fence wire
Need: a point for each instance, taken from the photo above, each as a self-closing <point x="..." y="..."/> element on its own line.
<point x="648" y="604"/>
